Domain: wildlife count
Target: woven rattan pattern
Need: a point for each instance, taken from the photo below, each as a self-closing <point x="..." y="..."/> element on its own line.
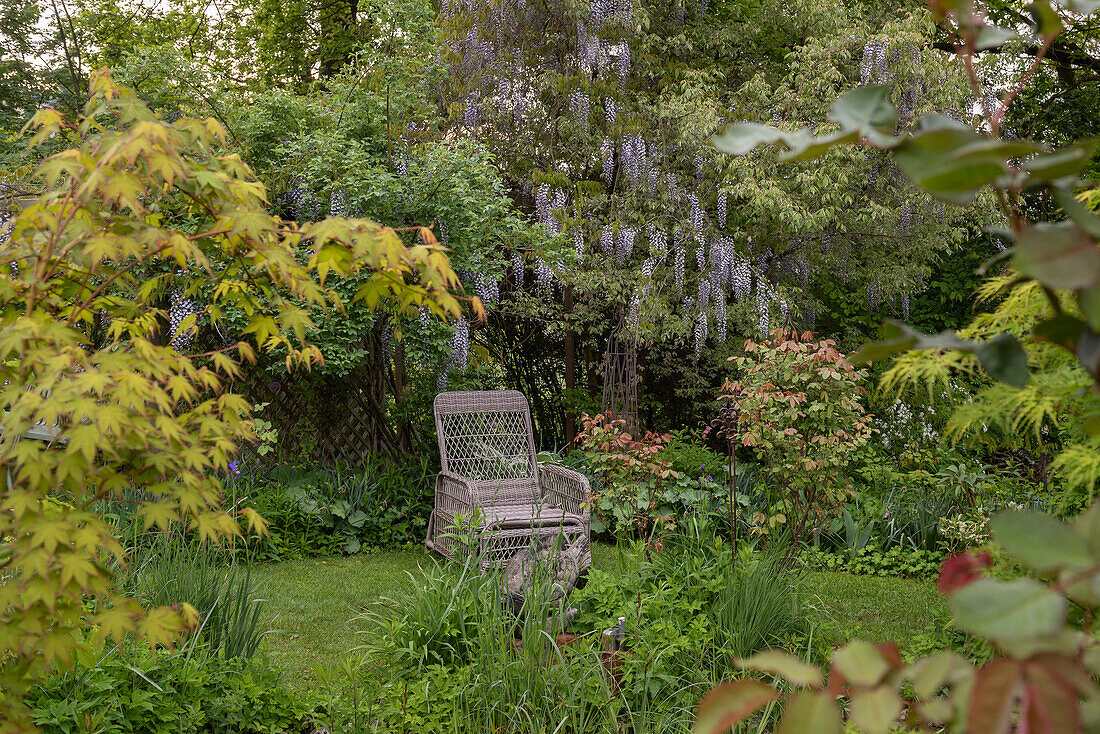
<point x="487" y="451"/>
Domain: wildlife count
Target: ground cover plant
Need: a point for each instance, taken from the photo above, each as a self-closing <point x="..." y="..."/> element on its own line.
<point x="443" y="656"/>
<point x="315" y="511"/>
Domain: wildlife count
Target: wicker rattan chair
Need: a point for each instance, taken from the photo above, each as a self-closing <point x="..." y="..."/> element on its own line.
<point x="491" y="487"/>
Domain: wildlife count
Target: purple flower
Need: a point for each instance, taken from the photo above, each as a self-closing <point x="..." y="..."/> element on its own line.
<point x="234" y="468"/>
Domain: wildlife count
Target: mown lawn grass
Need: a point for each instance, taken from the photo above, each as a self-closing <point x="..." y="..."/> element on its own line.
<point x="316" y="606"/>
<point x="875" y="608"/>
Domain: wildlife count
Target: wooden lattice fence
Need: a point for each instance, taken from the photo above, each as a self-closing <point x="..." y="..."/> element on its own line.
<point x="319" y="419"/>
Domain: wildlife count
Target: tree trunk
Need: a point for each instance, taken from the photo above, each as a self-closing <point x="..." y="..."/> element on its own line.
<point x="570" y="366"/>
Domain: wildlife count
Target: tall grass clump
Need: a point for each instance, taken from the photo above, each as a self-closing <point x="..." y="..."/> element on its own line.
<point x="456" y="657"/>
<point x="762" y="609"/>
<point x="175" y="570"/>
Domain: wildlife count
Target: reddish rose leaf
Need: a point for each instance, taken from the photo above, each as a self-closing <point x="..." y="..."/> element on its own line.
<point x="958" y="571"/>
<point x="729" y="703"/>
<point x="997" y="687"/>
<point x="1051" y="702"/>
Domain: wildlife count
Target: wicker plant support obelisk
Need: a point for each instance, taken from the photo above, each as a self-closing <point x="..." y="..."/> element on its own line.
<point x="620" y="379"/>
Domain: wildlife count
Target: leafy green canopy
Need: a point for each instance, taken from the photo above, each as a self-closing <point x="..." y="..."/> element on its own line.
<point x="138" y="209"/>
<point x="602" y="113"/>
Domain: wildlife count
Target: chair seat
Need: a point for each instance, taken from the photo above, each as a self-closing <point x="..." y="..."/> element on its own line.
<point x="529" y="515"/>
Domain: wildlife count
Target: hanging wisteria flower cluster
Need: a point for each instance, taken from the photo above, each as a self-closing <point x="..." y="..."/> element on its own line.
<point x="607" y="154"/>
<point x="581" y="105"/>
<point x="460" y="345"/>
<point x="607" y="240"/>
<point x="547" y="200"/>
<point x="487" y="289"/>
<point x="303" y="204"/>
<point x="872" y="67"/>
<point x="517" y="271"/>
<point x="179" y="308"/>
<point x="611" y="111"/>
<point x="544" y="276"/>
<point x="622" y="64"/>
<point x="625" y="245"/>
<point x="633" y="159"/>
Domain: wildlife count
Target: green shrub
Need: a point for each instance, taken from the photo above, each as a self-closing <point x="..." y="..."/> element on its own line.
<point x="760" y="611"/>
<point x="688" y="457"/>
<point x="446" y="659"/>
<point x="799" y="412"/>
<point x="165" y="693"/>
<point x="322" y="511"/>
<point x="646" y="486"/>
<point x="439" y="624"/>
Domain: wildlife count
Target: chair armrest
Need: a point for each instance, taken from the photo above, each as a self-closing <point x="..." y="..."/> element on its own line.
<point x="565" y="488"/>
<point x="454" y="493"/>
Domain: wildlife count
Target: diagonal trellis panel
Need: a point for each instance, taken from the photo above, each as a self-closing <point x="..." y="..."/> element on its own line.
<point x="330" y="423"/>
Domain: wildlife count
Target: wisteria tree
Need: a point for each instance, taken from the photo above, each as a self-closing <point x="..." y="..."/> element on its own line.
<point x="602" y="114"/>
<point x="598" y="117"/>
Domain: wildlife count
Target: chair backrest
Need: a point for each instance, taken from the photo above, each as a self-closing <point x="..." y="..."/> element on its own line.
<point x="486" y="436"/>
